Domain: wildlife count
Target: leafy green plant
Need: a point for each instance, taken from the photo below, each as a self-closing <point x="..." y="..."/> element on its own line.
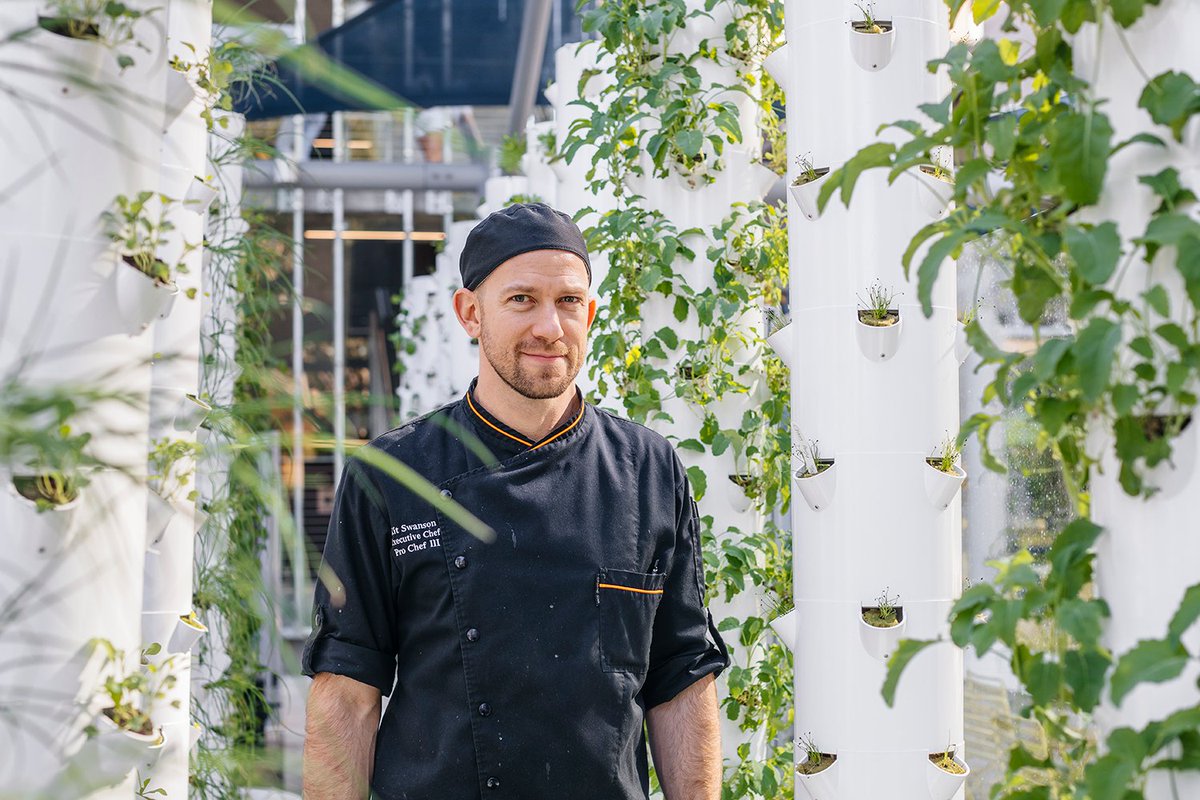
<point x="512" y="150"/>
<point x="523" y="198"/>
<point x="877" y="308"/>
<point x="885" y="612"/>
<point x="549" y="142"/>
<point x="139" y="227"/>
<point x="109" y="22"/>
<point x="171" y="464"/>
<point x="212" y="74"/>
<point x="48" y="490"/>
<point x="131" y="696"/>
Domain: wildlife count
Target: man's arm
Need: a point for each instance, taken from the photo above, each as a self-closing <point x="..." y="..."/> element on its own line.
<point x="685" y="741"/>
<point x="342" y="718"/>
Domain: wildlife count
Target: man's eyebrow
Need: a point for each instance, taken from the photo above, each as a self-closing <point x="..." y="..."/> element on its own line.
<point x="522" y="288"/>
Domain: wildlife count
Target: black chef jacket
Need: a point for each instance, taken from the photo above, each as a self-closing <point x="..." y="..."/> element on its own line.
<point x="521" y="668"/>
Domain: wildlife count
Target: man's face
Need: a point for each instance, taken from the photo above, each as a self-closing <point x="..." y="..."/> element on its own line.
<point x="531" y="316"/>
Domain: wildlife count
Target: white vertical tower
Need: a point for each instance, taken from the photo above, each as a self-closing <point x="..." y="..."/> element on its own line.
<point x="878" y="401"/>
<point x="1149" y="554"/>
<point x="78" y="132"/>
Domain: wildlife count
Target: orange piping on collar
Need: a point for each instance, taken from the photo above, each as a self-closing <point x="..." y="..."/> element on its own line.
<point x="493" y="427"/>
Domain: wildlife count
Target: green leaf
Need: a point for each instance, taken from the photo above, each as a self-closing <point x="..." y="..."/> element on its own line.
<point x="905" y="652"/>
<point x="669" y="337"/>
<point x="1157" y="299"/>
<point x="694" y="445"/>
<point x="1084" y="673"/>
<point x="1126" y="12"/>
<point x="1149" y="661"/>
<point x="699" y="481"/>
<point x="689" y="142"/>
<point x="1078" y="153"/>
<point x="681" y="308"/>
<point x="1187" y="613"/>
<point x="1093" y="350"/>
<point x="1095" y="250"/>
<point x="1171" y="98"/>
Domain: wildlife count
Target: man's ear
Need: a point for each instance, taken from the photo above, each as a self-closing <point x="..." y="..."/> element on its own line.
<point x="466" y="308"/>
<point x="591" y="311"/>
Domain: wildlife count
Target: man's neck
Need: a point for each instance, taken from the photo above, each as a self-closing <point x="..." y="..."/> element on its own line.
<point x="535" y="419"/>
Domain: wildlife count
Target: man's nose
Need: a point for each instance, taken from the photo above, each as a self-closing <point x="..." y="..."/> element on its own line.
<point x="546" y="325"/>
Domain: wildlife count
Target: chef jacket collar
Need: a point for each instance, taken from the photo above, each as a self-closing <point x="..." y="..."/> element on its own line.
<point x="504" y="440"/>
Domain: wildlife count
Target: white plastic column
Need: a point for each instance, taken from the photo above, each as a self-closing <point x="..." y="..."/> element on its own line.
<point x="877" y="418"/>
<point x="1149" y="553"/>
<point x="66" y="576"/>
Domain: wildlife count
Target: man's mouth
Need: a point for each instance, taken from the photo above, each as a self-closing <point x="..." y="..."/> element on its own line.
<point x="545" y="356"/>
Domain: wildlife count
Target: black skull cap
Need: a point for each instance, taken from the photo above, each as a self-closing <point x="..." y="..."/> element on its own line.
<point x="519" y="228"/>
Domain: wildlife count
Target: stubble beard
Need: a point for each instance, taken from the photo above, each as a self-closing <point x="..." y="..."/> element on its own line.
<point x="531" y="381"/>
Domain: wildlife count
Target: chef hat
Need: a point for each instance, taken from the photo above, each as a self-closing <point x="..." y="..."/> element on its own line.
<point x="519" y="228"/>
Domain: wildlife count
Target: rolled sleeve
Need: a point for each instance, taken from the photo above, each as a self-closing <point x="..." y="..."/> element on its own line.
<point x="353" y="634"/>
<point x="686" y="645"/>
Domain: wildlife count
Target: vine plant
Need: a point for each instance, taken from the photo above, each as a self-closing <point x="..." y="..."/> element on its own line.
<point x="1128" y="365"/>
<point x="659" y="118"/>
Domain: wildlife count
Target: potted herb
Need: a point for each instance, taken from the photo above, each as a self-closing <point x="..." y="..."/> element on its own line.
<point x="779" y="334"/>
<point x="187" y="632"/>
<point x="816" y="770"/>
<point x="145" y="286"/>
<point x="879" y="324"/>
<point x="122" y="730"/>
<point x="807" y="185"/>
<point x="816" y="477"/>
<point x="945" y="774"/>
<point x="943" y="475"/>
<point x="1164" y="474"/>
<point x="90" y="23"/>
<point x="782" y="618"/>
<point x="882" y="625"/>
<point x="872" y="40"/>
<point x="548" y="142"/>
<point x="512" y="151"/>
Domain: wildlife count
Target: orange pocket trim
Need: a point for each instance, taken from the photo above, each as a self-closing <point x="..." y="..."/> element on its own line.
<point x="630" y="588"/>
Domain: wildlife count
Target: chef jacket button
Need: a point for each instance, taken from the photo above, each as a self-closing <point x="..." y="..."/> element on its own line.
<point x="485" y="709"/>
<point x="472" y="634"/>
<point x="493" y="782"/>
<point x="460" y="562"/>
<point x="446" y="493"/>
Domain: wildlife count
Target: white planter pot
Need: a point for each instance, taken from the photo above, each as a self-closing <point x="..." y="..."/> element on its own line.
<point x="113" y="752"/>
<point x="880" y="643"/>
<point x="785" y="628"/>
<point x="739" y="501"/>
<point x="805" y="194"/>
<point x="962" y="348"/>
<point x="781" y="342"/>
<point x="180" y="93"/>
<point x="944" y="785"/>
<point x="823" y="785"/>
<point x="873" y="51"/>
<point x="140" y="299"/>
<point x="878" y="343"/>
<point x="818" y="490"/>
<point x="187" y="632"/>
<point x="776" y="66"/>
<point x="200" y="195"/>
<point x="44" y="533"/>
<point x="159" y="513"/>
<point x="551" y="94"/>
<point x="941" y="487"/>
<point x="561" y="169"/>
<point x="933" y="193"/>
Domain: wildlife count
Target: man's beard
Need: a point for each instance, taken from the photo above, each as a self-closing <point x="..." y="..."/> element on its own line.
<point x="533" y="381"/>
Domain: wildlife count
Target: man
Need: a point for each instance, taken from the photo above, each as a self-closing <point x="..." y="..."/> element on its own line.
<point x="521" y="668"/>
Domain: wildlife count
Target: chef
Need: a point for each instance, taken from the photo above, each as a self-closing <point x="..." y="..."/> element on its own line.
<point x="533" y="663"/>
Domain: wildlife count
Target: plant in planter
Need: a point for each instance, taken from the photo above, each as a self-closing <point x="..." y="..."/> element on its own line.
<point x="127" y="699"/>
<point x="935" y="185"/>
<point x="878" y="329"/>
<point x="47" y="490"/>
<point x="945" y="774"/>
<point x="885" y="613"/>
<point x="871" y="39"/>
<point x="778" y="336"/>
<point x="211" y="75"/>
<point x="813" y="759"/>
<point x="943" y="475"/>
<point x="946" y="762"/>
<point x="946" y="457"/>
<point x="815" y="477"/>
<point x="805" y="187"/>
<point x="108" y="22"/>
<point x="512" y="150"/>
<point x="138" y="226"/>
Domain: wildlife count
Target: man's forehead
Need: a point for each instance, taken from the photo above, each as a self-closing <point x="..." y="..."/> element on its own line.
<point x="538" y="267"/>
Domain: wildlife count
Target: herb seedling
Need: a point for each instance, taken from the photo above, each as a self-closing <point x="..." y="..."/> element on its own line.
<point x="877" y="308"/>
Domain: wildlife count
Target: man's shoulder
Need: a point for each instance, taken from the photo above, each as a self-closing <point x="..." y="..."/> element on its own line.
<point x="414" y="441"/>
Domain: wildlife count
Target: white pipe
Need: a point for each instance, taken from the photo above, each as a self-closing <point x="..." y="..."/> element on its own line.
<point x="298" y="556"/>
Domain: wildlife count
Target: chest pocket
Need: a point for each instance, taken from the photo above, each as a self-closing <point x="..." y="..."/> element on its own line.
<point x="627" y="602"/>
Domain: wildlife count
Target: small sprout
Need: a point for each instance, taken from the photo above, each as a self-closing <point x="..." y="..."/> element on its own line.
<point x="512" y="150"/>
<point x="884" y="614"/>
<point x="946" y="456"/>
<point x="868" y="24"/>
<point x="808" y="453"/>
<point x="776" y="320"/>
<point x="968" y="316"/>
<point x="814" y="760"/>
<point x="808" y="173"/>
<point x="945" y="760"/>
<point x="877" y="308"/>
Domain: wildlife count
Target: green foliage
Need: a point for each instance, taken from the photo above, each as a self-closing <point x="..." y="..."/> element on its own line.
<point x="212" y="74"/>
<point x="109" y="22"/>
<point x="512" y="150"/>
<point x="138" y="226"/>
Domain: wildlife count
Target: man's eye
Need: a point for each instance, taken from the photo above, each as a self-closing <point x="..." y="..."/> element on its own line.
<point x="572" y="299"/>
<point x="520" y="298"/>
